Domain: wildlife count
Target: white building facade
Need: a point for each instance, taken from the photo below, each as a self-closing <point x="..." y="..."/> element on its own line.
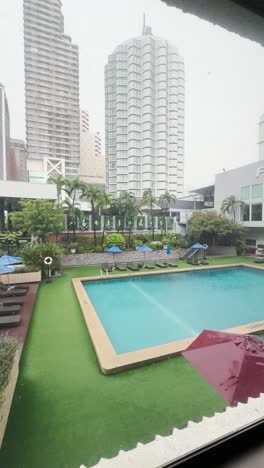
<point x="92" y="162"/>
<point x="144" y="117"/>
<point x="51" y="86"/>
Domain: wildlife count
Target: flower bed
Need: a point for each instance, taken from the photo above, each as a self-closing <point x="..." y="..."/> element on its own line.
<point x="8" y="379"/>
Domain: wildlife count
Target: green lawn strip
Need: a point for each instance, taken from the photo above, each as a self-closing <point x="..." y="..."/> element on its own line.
<point x="66" y="412"/>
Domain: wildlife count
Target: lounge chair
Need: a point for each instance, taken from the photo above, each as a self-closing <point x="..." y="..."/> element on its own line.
<point x="171" y="264"/>
<point x="7" y="287"/>
<point x="12" y="292"/>
<point x="132" y="266"/>
<point x="11" y="321"/>
<point x="120" y="267"/>
<point x="149" y="266"/>
<point x="11" y="301"/>
<point x="9" y="310"/>
<point x="161" y="264"/>
<point x="259" y="260"/>
<point x="106" y="267"/>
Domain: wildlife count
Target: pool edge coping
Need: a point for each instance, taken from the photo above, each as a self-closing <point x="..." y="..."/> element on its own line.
<point x="111" y="362"/>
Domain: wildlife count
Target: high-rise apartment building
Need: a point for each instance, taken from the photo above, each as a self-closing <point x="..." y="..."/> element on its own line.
<point x="4" y="135"/>
<point x="51" y="85"/>
<point x="18" y="160"/>
<point x="92" y="162"/>
<point x="144" y="112"/>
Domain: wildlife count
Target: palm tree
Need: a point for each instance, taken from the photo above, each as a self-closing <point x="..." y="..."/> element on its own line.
<point x="60" y="182"/>
<point x="92" y="194"/>
<point x="104" y="203"/>
<point x="166" y="198"/>
<point x="74" y="213"/>
<point x="72" y="188"/>
<point x="148" y="200"/>
<point x="229" y="205"/>
<point x="130" y="209"/>
<point x="118" y="209"/>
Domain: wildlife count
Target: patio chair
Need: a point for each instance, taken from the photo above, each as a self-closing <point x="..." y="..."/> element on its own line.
<point x="106" y="267"/>
<point x="12" y="292"/>
<point x="161" y="264"/>
<point x="9" y="310"/>
<point x="259" y="260"/>
<point x="149" y="266"/>
<point x="7" y="287"/>
<point x="171" y="264"/>
<point x="11" y="301"/>
<point x="11" y="321"/>
<point x="132" y="266"/>
<point x="120" y="267"/>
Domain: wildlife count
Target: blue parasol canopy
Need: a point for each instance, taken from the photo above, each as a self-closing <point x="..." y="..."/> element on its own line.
<point x="144" y="248"/>
<point x="9" y="260"/>
<point x="5" y="270"/>
<point x="197" y="246"/>
<point x="114" y="249"/>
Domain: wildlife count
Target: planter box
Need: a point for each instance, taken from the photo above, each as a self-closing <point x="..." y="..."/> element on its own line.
<point x="16" y="278"/>
<point x="6" y="403"/>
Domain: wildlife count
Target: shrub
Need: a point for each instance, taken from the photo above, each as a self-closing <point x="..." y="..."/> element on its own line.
<point x="260" y="246"/>
<point x="143" y="237"/>
<point x="137" y="243"/>
<point x="240" y="247"/>
<point x="98" y="249"/>
<point x="8" y="347"/>
<point x="33" y="256"/>
<point x="115" y="240"/>
<point x="156" y="245"/>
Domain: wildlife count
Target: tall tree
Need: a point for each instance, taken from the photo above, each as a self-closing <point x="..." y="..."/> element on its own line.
<point x="38" y="218"/>
<point x="149" y="201"/>
<point x="103" y="205"/>
<point x="210" y="227"/>
<point x="166" y="198"/>
<point x="72" y="188"/>
<point x="60" y="182"/>
<point x="118" y="209"/>
<point x="92" y="194"/>
<point x="131" y="210"/>
<point x="229" y="205"/>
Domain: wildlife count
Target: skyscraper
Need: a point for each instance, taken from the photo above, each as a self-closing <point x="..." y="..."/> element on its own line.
<point x="144" y="113"/>
<point x="4" y="135"/>
<point x="52" y="86"/>
<point x="92" y="162"/>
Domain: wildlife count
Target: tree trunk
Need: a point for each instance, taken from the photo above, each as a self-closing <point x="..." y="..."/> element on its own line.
<point x="2" y="214"/>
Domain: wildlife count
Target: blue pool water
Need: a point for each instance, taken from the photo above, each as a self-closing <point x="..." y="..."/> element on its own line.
<point x="147" y="311"/>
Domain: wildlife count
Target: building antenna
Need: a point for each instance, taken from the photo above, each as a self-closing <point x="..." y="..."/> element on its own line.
<point x="144" y="22"/>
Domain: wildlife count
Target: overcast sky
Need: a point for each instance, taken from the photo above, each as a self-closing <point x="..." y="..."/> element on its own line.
<point x="224" y="75"/>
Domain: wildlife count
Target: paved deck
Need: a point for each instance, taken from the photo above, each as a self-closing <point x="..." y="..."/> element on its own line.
<point x="20" y="332"/>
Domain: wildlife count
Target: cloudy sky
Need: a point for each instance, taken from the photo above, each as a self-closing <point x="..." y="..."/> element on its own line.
<point x="224" y="75"/>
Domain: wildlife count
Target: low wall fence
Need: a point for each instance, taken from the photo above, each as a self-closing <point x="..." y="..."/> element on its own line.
<point x="98" y="258"/>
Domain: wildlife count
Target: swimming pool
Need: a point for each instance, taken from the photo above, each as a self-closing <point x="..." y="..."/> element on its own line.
<point x="148" y="311"/>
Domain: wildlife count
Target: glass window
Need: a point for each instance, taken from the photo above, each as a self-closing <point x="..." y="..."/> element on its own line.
<point x="244" y="213"/>
<point x="257" y="191"/>
<point x="256" y="212"/>
<point x="251" y="242"/>
<point x="245" y="193"/>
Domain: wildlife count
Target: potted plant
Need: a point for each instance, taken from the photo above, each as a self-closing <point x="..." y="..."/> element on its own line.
<point x="73" y="247"/>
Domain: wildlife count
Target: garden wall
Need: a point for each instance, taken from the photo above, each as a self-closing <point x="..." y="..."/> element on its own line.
<point x="17" y="278"/>
<point x="221" y="251"/>
<point x="8" y="394"/>
<point x="98" y="258"/>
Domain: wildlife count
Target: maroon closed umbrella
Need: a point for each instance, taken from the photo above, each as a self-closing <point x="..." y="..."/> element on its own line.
<point x="233" y="364"/>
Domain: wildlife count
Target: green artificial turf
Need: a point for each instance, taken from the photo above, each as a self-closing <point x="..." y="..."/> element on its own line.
<point x="66" y="412"/>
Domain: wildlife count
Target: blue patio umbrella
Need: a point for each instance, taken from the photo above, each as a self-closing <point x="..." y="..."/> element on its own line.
<point x="114" y="250"/>
<point x="9" y="260"/>
<point x="197" y="246"/>
<point x="144" y="248"/>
